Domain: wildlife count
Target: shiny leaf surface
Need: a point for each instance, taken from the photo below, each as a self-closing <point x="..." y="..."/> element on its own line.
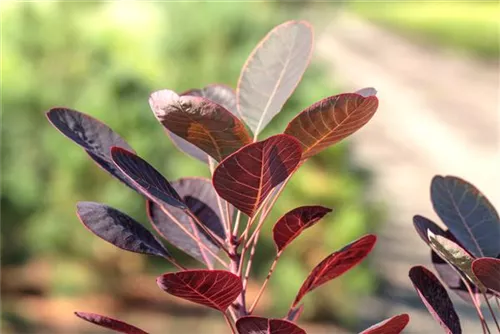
<point x="487" y="270"/>
<point x="259" y="325"/>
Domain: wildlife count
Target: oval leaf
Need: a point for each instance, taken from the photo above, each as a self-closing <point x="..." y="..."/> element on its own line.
<point x="394" y="325"/>
<point x="119" y="229"/>
<point x="259" y="325"/>
<point x="109" y="323"/>
<point x="146" y="178"/>
<point x="435" y="298"/>
<point x="487" y="270"/>
<point x="330" y="120"/>
<point x="216" y="289"/>
<point x="290" y="225"/>
<point x="201" y="199"/>
<point x="468" y="214"/>
<point x="246" y="177"/>
<point x="220" y="94"/>
<point x="94" y="136"/>
<point x="272" y="72"/>
<point x="336" y="264"/>
<point x="201" y="122"/>
<point x="455" y="255"/>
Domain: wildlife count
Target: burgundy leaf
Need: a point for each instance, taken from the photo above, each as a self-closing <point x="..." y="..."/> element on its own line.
<point x="187" y="148"/>
<point x="201" y="199"/>
<point x="203" y="123"/>
<point x="213" y="288"/>
<point x="247" y="176"/>
<point x="272" y="72"/>
<point x="220" y="94"/>
<point x="336" y="264"/>
<point x="290" y="225"/>
<point x="295" y="313"/>
<point x="422" y="225"/>
<point x="330" y="120"/>
<point x="435" y="298"/>
<point x="487" y="270"/>
<point x="119" y="229"/>
<point x="146" y="178"/>
<point x="259" y="325"/>
<point x="368" y="91"/>
<point x="94" y="136"/>
<point x="110" y="323"/>
<point x="394" y="325"/>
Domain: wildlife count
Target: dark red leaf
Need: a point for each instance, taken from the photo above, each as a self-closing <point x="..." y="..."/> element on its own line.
<point x="331" y="120"/>
<point x="247" y="176"/>
<point x="110" y="323"/>
<point x="94" y="136"/>
<point x="435" y="298"/>
<point x="295" y="313"/>
<point x="146" y="178"/>
<point x="201" y="198"/>
<point x="119" y="229"/>
<point x="291" y="224"/>
<point x="213" y="288"/>
<point x="422" y="225"/>
<point x="336" y="264"/>
<point x="272" y="72"/>
<point x="259" y="325"/>
<point x="468" y="214"/>
<point x="201" y="122"/>
<point x="487" y="270"/>
<point x="394" y="325"/>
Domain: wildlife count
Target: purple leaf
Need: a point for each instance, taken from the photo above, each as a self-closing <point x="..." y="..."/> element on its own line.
<point x="468" y="214"/>
<point x="110" y="323"/>
<point x="272" y="72"/>
<point x="201" y="198"/>
<point x="147" y="180"/>
<point x="368" y="91"/>
<point x="291" y="225"/>
<point x="259" y="325"/>
<point x="337" y="264"/>
<point x="94" y="136"/>
<point x="394" y="325"/>
<point x="487" y="270"/>
<point x="422" y="225"/>
<point x="216" y="289"/>
<point x="435" y="298"/>
<point x="119" y="229"/>
<point x="201" y="122"/>
<point x="330" y="120"/>
<point x="220" y="94"/>
<point x="246" y="177"/>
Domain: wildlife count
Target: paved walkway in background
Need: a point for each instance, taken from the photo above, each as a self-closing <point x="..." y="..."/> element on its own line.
<point x="438" y="114"/>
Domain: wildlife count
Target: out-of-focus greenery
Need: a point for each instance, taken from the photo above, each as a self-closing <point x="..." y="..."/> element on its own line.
<point x="469" y="26"/>
<point x="104" y="59"/>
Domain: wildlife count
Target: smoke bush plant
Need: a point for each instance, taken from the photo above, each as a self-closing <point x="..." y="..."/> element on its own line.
<point x="465" y="256"/>
<point x="225" y="215"/>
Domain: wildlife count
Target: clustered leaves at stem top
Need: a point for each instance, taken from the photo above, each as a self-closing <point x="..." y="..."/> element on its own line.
<point x="202" y="217"/>
<point x="465" y="256"/>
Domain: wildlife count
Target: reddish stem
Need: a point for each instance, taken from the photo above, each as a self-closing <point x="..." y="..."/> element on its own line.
<point x="263" y="287"/>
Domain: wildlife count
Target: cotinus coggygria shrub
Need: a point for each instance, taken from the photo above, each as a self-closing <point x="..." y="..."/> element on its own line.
<point x="218" y="221"/>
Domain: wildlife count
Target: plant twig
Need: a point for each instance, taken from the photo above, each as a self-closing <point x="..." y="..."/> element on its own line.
<point x="214" y="236"/>
<point x="236" y="224"/>
<point x="175" y="263"/>
<point x="263" y="287"/>
<point x="249" y="264"/>
<point x="226" y="221"/>
<point x="484" y="325"/>
<point x="229" y="323"/>
<point x="491" y="311"/>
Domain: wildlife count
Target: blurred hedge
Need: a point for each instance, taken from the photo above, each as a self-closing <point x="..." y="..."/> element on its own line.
<point x="105" y="59"/>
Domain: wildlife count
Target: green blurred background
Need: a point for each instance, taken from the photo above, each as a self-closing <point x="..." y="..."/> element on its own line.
<point x="104" y="59"/>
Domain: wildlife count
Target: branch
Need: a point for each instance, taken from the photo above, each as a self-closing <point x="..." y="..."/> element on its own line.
<point x="263" y="287"/>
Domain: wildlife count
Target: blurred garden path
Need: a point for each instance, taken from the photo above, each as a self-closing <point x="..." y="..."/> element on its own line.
<point x="438" y="114"/>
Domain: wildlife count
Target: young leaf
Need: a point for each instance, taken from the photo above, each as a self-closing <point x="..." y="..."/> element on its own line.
<point x="394" y="325"/>
<point x="435" y="298"/>
<point x="119" y="229"/>
<point x="220" y="94"/>
<point x="290" y="225"/>
<point x="422" y="225"/>
<point x="146" y="179"/>
<point x="487" y="270"/>
<point x="259" y="325"/>
<point x="468" y="214"/>
<point x="368" y="91"/>
<point x="331" y="120"/>
<point x="200" y="197"/>
<point x="109" y="323"/>
<point x="201" y="122"/>
<point x="455" y="255"/>
<point x="247" y="176"/>
<point x="94" y="136"/>
<point x="272" y="72"/>
<point x="295" y="313"/>
<point x="216" y="289"/>
<point x="336" y="264"/>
